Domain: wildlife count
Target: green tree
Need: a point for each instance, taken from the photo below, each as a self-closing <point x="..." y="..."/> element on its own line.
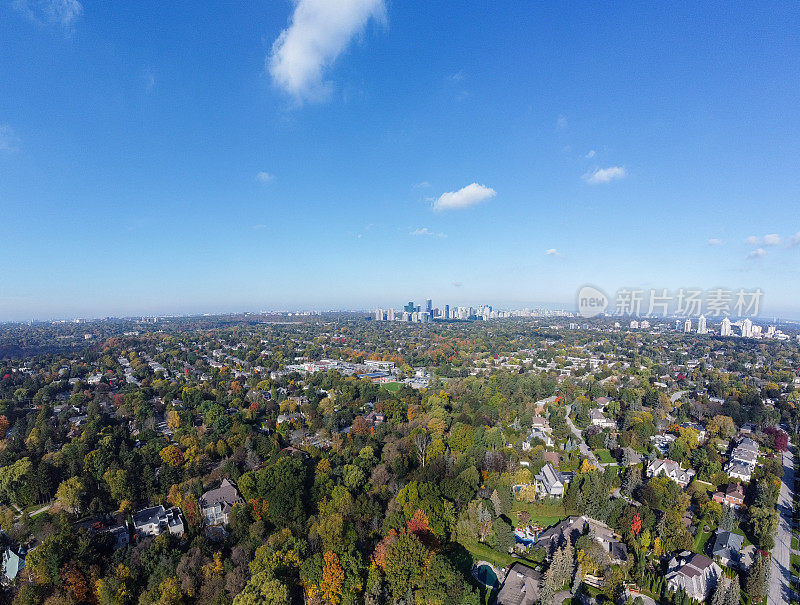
<point x="405" y="564"/>
<point x="263" y="589"/>
<point x="69" y="494"/>
<point x="758" y="578"/>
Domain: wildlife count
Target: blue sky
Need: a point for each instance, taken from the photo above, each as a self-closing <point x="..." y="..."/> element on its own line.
<point x="163" y="157"/>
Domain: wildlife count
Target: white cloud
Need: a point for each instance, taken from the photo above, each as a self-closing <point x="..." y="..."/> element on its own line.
<point x="465" y="197"/>
<point x="8" y="140"/>
<point x="605" y="175"/>
<point x="319" y="31"/>
<point x="562" y="122"/>
<point x="795" y="239"/>
<point x="553" y="252"/>
<point x="771" y="239"/>
<point x="427" y="232"/>
<point x="715" y="241"/>
<point x="265" y="177"/>
<point x="54" y="12"/>
<point x="757" y="253"/>
<point x="591" y="154"/>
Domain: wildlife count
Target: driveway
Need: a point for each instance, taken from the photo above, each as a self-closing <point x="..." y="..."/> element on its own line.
<point x="780" y="590"/>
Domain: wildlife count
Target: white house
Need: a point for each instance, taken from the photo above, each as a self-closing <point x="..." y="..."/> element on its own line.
<point x="671" y="469"/>
<point x="154" y="521"/>
<point x="696" y="574"/>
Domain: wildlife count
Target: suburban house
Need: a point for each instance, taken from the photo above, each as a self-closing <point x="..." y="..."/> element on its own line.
<point x="726" y="547"/>
<point x="739" y="470"/>
<point x="743" y="459"/>
<point x="696" y="574"/>
<point x="608" y="540"/>
<point x="598" y="419"/>
<point x="662" y="442"/>
<point x="520" y="587"/>
<point x="549" y="482"/>
<point x="540" y="422"/>
<point x="553" y="537"/>
<point x="537" y="434"/>
<point x="670" y="469"/>
<point x="120" y="534"/>
<point x="155" y="520"/>
<point x="216" y="504"/>
<point x="733" y="496"/>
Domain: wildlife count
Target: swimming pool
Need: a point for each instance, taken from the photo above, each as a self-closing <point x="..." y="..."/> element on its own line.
<point x="486" y="575"/>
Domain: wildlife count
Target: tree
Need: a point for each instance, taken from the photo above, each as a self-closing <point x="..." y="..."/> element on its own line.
<point x="758" y="578"/>
<point x="405" y="563"/>
<point x="498" y="505"/>
<point x="733" y="596"/>
<point x="332" y="579"/>
<point x="263" y="589"/>
<point x="69" y="494"/>
<point x="728" y="519"/>
<point x="171" y="455"/>
<point x="720" y="592"/>
<point x="764" y="522"/>
<point x="421" y="442"/>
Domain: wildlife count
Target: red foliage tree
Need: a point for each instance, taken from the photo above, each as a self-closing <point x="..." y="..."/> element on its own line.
<point x="636" y="524"/>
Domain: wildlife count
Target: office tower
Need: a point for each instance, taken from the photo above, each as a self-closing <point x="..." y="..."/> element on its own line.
<point x="429" y="306"/>
<point x="725" y="328"/>
<point x="701" y="325"/>
<point x="390" y="315"/>
<point x="447" y="311"/>
<point x="379" y="314"/>
<point x="747" y="328"/>
<point x="687" y="325"/>
<point x="409" y="308"/>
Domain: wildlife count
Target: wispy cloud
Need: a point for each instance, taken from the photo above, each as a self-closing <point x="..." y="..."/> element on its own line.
<point x="319" y="31"/>
<point x="427" y="232"/>
<point x="715" y="241"/>
<point x="771" y="239"/>
<point x="50" y="12"/>
<point x="795" y="239"/>
<point x="553" y="252"/>
<point x="465" y="197"/>
<point x="562" y="123"/>
<point x="265" y="177"/>
<point x="605" y="175"/>
<point x="757" y="253"/>
<point x="259" y="227"/>
<point x="421" y="185"/>
<point x="458" y="284"/>
<point x="590" y="154"/>
<point x="8" y="140"/>
<point x="149" y="80"/>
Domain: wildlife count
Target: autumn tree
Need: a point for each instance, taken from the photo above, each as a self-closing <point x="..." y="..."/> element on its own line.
<point x="332" y="579"/>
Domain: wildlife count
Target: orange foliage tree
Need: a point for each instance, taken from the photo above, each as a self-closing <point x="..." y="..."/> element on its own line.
<point x="332" y="579"/>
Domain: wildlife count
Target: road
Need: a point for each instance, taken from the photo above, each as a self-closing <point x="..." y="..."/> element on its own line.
<point x="582" y="447"/>
<point x="780" y="588"/>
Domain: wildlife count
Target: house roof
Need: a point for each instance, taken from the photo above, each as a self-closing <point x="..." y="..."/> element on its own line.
<point x="226" y="493"/>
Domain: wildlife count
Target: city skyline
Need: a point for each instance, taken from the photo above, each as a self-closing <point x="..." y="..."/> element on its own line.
<point x="154" y="161"/>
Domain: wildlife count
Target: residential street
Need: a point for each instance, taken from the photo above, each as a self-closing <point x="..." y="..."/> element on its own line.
<point x="582" y="447"/>
<point x="780" y="579"/>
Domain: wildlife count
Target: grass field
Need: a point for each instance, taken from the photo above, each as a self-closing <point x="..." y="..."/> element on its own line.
<point x="482" y="552"/>
<point x="542" y="513"/>
<point x="392" y="387"/>
<point x="604" y="456"/>
<point x="700" y="541"/>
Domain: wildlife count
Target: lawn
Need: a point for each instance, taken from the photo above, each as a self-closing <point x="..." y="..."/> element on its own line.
<point x="795" y="559"/>
<point x="700" y="541"/>
<point x="392" y="387"/>
<point x="542" y="513"/>
<point x="795" y="543"/>
<point x="482" y="552"/>
<point x="604" y="456"/>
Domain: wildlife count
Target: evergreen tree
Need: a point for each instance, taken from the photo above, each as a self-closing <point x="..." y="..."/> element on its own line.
<point x="720" y="593"/>
<point x="576" y="582"/>
<point x="758" y="578"/>
<point x="728" y="518"/>
<point x="734" y="592"/>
